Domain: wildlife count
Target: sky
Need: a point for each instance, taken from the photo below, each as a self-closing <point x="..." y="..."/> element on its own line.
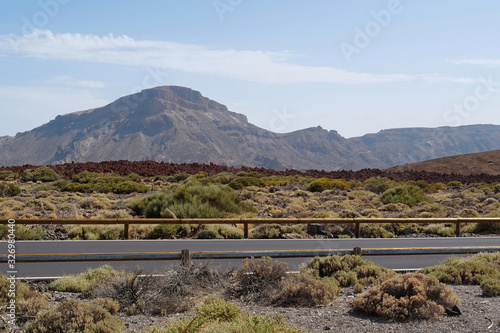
<point x="352" y="66"/>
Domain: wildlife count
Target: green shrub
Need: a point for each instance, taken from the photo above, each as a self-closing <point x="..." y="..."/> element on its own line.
<point x="129" y="186"/>
<point x="172" y="231"/>
<point x="208" y="234"/>
<point x="490" y="287"/>
<point x="409" y="195"/>
<point x="85" y="177"/>
<point x="323" y="184"/>
<point x="192" y="200"/>
<point x="454" y="184"/>
<point x="95" y="232"/>
<point x="440" y="230"/>
<point x="469" y="270"/>
<point x="22" y="232"/>
<point x="87" y="182"/>
<point x="9" y="190"/>
<point x="225" y="231"/>
<point x="306" y="290"/>
<point x="8" y="175"/>
<point x="272" y="231"/>
<point x="43" y="174"/>
<point x="407" y="297"/>
<point x="374" y="231"/>
<point x="378" y="185"/>
<point x="320" y="185"/>
<point x="403" y="228"/>
<point x="348" y="270"/>
<point x="242" y="182"/>
<point x="217" y="315"/>
<point x="72" y="316"/>
<point x="85" y="282"/>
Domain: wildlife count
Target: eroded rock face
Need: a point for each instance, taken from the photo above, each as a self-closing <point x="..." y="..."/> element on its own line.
<point x="179" y="125"/>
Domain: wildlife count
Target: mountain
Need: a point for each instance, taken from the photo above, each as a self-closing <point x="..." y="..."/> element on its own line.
<point x="177" y="124"/>
<point x="468" y="164"/>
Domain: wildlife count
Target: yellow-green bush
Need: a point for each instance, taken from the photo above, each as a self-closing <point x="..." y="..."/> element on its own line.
<point x="192" y="200"/>
<point x="348" y="270"/>
<point x="85" y="282"/>
<point x="217" y="315"/>
<point x="409" y="195"/>
<point x="469" y="270"/>
<point x="43" y="174"/>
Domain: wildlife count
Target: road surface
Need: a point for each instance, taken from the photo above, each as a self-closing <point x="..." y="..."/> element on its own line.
<point x="120" y="246"/>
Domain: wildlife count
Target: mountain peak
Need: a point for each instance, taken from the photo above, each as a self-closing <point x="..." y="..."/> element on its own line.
<point x="180" y="125"/>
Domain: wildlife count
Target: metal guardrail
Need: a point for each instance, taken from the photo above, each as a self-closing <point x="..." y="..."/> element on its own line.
<point x="185" y="256"/>
<point x="458" y="222"/>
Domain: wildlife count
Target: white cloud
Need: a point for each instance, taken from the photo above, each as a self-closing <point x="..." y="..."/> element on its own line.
<point x="249" y="65"/>
<point x="480" y="62"/>
<point x="65" y="80"/>
<point x="436" y="78"/>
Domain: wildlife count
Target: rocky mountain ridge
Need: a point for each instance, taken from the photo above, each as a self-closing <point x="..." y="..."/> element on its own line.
<point x="179" y="125"/>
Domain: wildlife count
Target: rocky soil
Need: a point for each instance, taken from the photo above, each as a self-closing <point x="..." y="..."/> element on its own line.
<point x="479" y="314"/>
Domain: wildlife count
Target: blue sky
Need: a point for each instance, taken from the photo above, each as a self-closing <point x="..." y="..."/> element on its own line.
<point x="352" y="66"/>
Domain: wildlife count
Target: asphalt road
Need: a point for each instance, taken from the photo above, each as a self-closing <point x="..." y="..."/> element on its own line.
<point x="59" y="269"/>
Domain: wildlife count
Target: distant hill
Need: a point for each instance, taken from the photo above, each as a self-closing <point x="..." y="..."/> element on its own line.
<point x="468" y="164"/>
<point x="179" y="125"/>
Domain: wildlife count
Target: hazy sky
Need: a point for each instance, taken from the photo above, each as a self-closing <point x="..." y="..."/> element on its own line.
<point x="352" y="66"/>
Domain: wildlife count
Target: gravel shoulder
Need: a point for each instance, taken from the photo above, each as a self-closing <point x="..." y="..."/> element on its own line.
<point x="479" y="314"/>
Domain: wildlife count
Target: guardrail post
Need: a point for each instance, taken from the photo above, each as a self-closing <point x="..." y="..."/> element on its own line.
<point x="126" y="233"/>
<point x="245" y="230"/>
<point x="357" y="251"/>
<point x="458" y="231"/>
<point x="357" y="231"/>
<point x="185" y="258"/>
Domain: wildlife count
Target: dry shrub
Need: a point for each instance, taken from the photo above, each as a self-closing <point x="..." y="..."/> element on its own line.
<point x="28" y="301"/>
<point x="145" y="293"/>
<point x="306" y="290"/>
<point x="258" y="279"/>
<point x="407" y="297"/>
<point x="108" y="304"/>
<point x="72" y="316"/>
<point x="348" y="270"/>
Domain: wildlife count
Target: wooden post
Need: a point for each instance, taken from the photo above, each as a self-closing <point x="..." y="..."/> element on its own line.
<point x="185" y="258"/>
<point x="357" y="251"/>
<point x="458" y="231"/>
<point x="245" y="230"/>
<point x="126" y="233"/>
<point x="357" y="232"/>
